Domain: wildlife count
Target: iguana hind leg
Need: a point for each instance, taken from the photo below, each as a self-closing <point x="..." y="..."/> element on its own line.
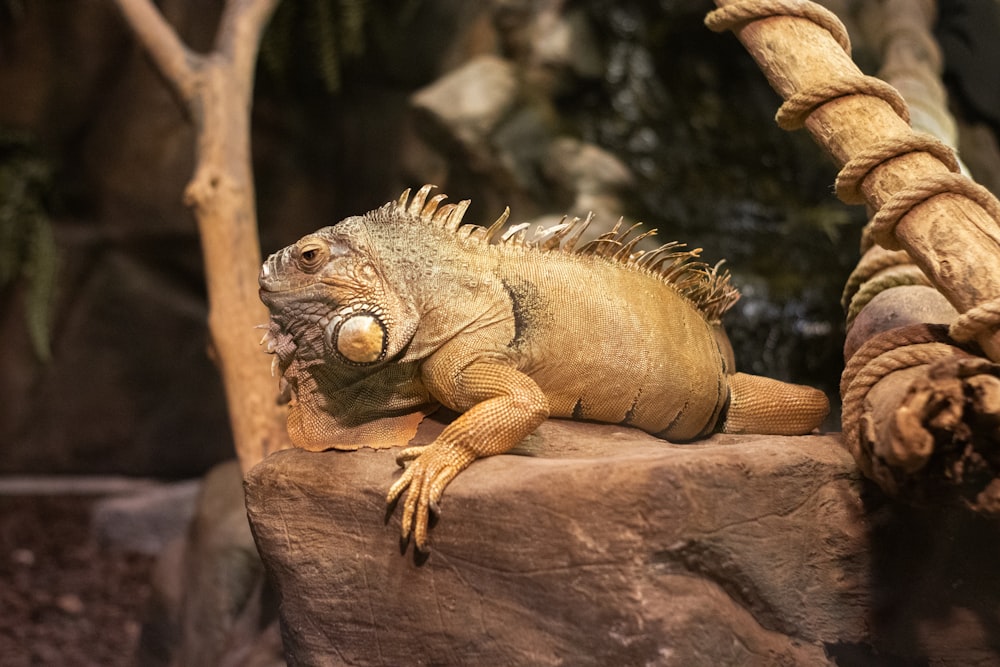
<point x="770" y="407"/>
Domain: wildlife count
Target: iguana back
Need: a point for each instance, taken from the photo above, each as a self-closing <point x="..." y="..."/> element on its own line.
<point x="612" y="344"/>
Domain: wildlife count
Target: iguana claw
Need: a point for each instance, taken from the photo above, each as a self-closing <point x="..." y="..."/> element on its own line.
<point x="410" y="453"/>
<point x="431" y="470"/>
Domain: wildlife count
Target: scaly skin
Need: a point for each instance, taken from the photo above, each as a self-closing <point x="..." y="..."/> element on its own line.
<point x="378" y="319"/>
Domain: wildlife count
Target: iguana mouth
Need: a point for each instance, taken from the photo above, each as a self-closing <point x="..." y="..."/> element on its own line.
<point x="272" y="284"/>
<point x="279" y="289"/>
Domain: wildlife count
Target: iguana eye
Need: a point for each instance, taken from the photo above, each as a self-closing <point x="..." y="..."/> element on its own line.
<point x="311" y="257"/>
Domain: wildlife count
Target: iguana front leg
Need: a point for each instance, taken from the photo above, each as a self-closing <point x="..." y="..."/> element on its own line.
<point x="500" y="406"/>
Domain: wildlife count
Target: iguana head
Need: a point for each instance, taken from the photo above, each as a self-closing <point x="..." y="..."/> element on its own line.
<point x="337" y="325"/>
<point x="329" y="301"/>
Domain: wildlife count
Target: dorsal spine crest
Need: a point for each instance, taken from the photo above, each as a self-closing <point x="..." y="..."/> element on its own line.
<point x="707" y="287"/>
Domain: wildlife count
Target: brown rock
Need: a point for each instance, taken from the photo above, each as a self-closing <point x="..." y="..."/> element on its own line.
<point x="211" y="605"/>
<point x="469" y="103"/>
<point x="898" y="307"/>
<point x="597" y="545"/>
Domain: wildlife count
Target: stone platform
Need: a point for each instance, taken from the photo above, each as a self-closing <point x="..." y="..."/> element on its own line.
<point x="598" y="545"/>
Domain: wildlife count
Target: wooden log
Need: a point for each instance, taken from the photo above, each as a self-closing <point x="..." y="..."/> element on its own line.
<point x="951" y="238"/>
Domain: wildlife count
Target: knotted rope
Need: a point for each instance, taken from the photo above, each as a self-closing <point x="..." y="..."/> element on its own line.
<point x="972" y="323"/>
<point x="793" y="113"/>
<point x="801" y="104"/>
<point x="741" y="13"/>
<point x="890" y="351"/>
<point x="872" y="262"/>
<point x="883" y="224"/>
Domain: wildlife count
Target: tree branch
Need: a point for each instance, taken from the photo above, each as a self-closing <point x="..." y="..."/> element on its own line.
<point x="217" y="88"/>
<point x="240" y="30"/>
<point x="174" y="60"/>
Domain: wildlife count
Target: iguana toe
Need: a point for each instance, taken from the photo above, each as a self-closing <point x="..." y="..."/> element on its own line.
<point x="410" y="453"/>
<point x="425" y="478"/>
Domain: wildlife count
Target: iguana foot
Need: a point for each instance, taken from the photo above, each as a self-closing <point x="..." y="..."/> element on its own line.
<point x="432" y="467"/>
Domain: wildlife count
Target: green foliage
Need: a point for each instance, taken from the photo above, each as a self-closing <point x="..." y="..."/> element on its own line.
<point x="324" y="31"/>
<point x="27" y="245"/>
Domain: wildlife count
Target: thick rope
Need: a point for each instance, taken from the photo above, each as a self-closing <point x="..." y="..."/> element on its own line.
<point x="883" y="224"/>
<point x="872" y="261"/>
<point x="796" y="109"/>
<point x="886" y="341"/>
<point x="887" y="352"/>
<point x="855" y="170"/>
<point x="902" y="347"/>
<point x="747" y="11"/>
<point x="972" y="323"/>
<point x="801" y="104"/>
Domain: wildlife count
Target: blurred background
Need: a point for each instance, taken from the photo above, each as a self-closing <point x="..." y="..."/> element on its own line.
<point x="625" y="108"/>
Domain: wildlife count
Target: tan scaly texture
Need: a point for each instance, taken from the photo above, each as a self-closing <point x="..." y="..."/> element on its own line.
<point x="377" y="320"/>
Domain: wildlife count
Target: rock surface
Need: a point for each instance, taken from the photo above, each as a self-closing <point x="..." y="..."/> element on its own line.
<point x="600" y="545"/>
<point x="147" y="520"/>
<point x="596" y="545"/>
<point x="211" y="605"/>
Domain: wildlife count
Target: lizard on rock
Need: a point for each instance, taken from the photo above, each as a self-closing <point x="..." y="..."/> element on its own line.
<point x="377" y="320"/>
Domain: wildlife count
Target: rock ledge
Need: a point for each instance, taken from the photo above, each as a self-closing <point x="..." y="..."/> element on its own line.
<point x="592" y="545"/>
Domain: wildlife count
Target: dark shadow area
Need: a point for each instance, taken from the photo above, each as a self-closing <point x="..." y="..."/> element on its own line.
<point x="934" y="586"/>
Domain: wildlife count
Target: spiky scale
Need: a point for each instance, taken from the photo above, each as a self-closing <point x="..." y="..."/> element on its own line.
<point x="493" y="230"/>
<point x="708" y="290"/>
<point x="515" y="235"/>
<point x="455" y="219"/>
<point x="430" y="209"/>
<point x="547" y="239"/>
<point x="417" y="204"/>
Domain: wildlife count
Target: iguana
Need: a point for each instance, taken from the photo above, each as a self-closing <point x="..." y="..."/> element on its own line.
<point x="381" y="317"/>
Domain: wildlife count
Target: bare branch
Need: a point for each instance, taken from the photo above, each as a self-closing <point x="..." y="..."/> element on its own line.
<point x="172" y="57"/>
<point x="240" y="31"/>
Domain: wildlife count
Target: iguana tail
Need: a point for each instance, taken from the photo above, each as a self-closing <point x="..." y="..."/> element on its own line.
<point x="765" y="406"/>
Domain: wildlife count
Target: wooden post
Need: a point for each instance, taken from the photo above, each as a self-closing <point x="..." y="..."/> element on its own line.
<point x="950" y="237"/>
<point x="909" y="392"/>
<point x="217" y="89"/>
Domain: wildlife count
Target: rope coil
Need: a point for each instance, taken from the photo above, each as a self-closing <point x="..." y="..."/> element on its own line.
<point x="902" y="347"/>
<point x="889" y="351"/>
<point x="792" y="114"/>
<point x="740" y="13"/>
<point x="874" y="260"/>
<point x="796" y="109"/>
<point x="883" y="223"/>
<point x="974" y="322"/>
<point x="855" y="170"/>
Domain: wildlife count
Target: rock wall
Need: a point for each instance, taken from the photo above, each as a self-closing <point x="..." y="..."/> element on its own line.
<point x="598" y="545"/>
